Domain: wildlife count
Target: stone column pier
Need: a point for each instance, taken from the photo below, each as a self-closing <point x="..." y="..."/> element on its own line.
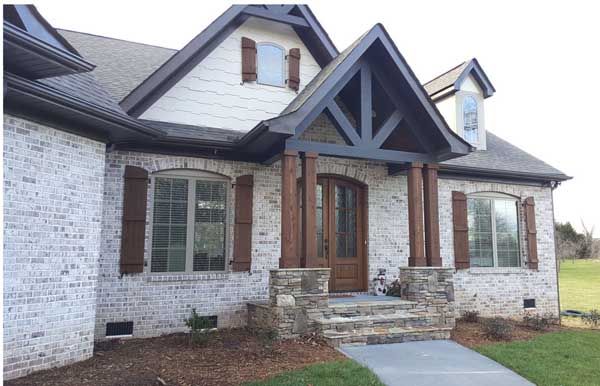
<point x="296" y="297"/>
<point x="432" y="288"/>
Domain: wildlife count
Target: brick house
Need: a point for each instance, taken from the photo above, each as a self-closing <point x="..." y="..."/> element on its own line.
<point x="250" y="175"/>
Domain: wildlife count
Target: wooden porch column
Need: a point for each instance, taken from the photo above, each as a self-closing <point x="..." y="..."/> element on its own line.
<point x="415" y="215"/>
<point x="289" y="211"/>
<point x="309" y="211"/>
<point x="432" y="223"/>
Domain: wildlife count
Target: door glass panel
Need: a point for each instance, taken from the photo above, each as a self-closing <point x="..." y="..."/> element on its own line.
<point x="319" y="220"/>
<point x="345" y="218"/>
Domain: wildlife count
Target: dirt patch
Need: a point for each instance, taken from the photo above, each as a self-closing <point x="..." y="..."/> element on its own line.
<point x="472" y="334"/>
<point x="230" y="357"/>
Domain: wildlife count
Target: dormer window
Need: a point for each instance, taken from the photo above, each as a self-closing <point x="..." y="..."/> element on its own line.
<point x="470" y="120"/>
<point x="270" y="64"/>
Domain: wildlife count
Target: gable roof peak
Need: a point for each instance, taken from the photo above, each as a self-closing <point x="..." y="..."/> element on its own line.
<point x="298" y="16"/>
<point x="450" y="81"/>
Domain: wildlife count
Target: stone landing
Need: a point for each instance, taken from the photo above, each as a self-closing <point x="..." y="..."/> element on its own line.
<point x="299" y="304"/>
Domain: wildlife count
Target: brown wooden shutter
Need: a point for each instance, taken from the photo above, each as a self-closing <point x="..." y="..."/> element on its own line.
<point x="529" y="210"/>
<point x="461" y="230"/>
<point x="133" y="233"/>
<point x="242" y="243"/>
<point x="248" y="60"/>
<point x="294" y="69"/>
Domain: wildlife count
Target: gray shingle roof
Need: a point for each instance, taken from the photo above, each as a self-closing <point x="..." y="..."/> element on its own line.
<point x="188" y="132"/>
<point x="445" y="80"/>
<point x="120" y="65"/>
<point x="501" y="155"/>
<point x="85" y="87"/>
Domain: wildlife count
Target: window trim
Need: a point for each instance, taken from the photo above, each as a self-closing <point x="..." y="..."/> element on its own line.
<point x="190" y="175"/>
<point x="493" y="196"/>
<point x="283" y="66"/>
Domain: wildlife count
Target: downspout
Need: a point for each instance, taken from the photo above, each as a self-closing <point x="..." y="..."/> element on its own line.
<point x="554" y="185"/>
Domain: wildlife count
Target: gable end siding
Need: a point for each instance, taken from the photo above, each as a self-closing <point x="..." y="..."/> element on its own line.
<point x="212" y="93"/>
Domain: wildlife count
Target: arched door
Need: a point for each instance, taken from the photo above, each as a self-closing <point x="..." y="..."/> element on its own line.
<point x="341" y="237"/>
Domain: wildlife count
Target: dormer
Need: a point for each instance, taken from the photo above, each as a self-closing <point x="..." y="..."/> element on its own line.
<point x="460" y="96"/>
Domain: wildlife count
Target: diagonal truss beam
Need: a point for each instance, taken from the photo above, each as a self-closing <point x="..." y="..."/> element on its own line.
<point x="386" y="129"/>
<point x="411" y="123"/>
<point x="342" y="124"/>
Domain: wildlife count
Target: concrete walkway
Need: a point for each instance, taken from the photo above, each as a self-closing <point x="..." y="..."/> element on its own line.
<point x="428" y="363"/>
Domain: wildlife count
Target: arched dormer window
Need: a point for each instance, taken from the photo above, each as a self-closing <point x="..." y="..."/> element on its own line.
<point x="470" y="120"/>
<point x="270" y="64"/>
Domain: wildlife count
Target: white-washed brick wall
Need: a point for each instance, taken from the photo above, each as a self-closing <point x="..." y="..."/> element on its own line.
<point x="212" y="94"/>
<point x="53" y="184"/>
<point x="157" y="304"/>
<point x="500" y="291"/>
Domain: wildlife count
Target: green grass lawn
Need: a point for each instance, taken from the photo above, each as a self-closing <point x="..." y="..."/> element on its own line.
<point x="579" y="283"/>
<point x="569" y="358"/>
<point x="347" y="373"/>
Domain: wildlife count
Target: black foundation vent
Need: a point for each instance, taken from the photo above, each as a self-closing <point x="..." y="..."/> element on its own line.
<point x="119" y="329"/>
<point x="528" y="303"/>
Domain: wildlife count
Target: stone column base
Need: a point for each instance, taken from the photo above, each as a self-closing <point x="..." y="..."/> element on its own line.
<point x="432" y="288"/>
<point x="296" y="297"/>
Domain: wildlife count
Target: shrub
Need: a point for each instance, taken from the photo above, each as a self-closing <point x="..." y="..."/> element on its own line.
<point x="470" y="316"/>
<point x="497" y="328"/>
<point x="592" y="318"/>
<point x="200" y="327"/>
<point x="267" y="336"/>
<point x="537" y="322"/>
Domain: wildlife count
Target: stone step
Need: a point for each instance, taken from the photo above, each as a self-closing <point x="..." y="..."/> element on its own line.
<point x="397" y="319"/>
<point x="384" y="335"/>
<point x="368" y="307"/>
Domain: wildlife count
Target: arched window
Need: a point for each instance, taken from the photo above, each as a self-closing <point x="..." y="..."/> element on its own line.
<point x="470" y="120"/>
<point x="493" y="221"/>
<point x="270" y="64"/>
<point x="189" y="221"/>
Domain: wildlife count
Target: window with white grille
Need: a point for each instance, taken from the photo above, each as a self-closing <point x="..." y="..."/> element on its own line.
<point x="493" y="222"/>
<point x="189" y="222"/>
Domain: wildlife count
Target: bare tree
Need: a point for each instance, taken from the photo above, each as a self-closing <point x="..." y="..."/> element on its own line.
<point x="585" y="249"/>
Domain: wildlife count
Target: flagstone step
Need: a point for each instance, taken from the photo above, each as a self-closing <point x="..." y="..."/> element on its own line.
<point x="385" y="335"/>
<point x="368" y="307"/>
<point x="397" y="319"/>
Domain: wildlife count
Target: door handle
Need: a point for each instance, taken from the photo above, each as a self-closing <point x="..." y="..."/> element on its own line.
<point x="326" y="248"/>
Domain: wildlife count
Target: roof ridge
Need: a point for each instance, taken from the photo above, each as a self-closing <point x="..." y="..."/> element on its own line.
<point x="444" y="73"/>
<point x="120" y="39"/>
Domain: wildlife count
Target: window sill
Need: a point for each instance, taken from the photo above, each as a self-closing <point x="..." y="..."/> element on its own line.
<point x="178" y="277"/>
<point x="498" y="270"/>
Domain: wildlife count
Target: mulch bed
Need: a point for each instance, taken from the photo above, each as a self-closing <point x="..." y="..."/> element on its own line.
<point x="231" y="357"/>
<point x="472" y="334"/>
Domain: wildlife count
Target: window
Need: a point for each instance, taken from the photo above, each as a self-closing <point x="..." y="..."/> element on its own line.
<point x="493" y="222"/>
<point x="188" y="223"/>
<point x="270" y="64"/>
<point x="470" y="120"/>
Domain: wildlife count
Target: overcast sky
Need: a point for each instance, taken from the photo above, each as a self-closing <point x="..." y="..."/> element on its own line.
<point x="542" y="57"/>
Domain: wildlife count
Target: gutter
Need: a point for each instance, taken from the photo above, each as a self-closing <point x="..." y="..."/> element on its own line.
<point x="473" y="171"/>
<point x="23" y="40"/>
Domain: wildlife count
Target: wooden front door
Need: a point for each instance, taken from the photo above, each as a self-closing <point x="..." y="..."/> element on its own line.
<point x="341" y="238"/>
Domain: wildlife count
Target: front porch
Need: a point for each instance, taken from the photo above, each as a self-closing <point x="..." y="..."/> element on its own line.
<point x="299" y="304"/>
